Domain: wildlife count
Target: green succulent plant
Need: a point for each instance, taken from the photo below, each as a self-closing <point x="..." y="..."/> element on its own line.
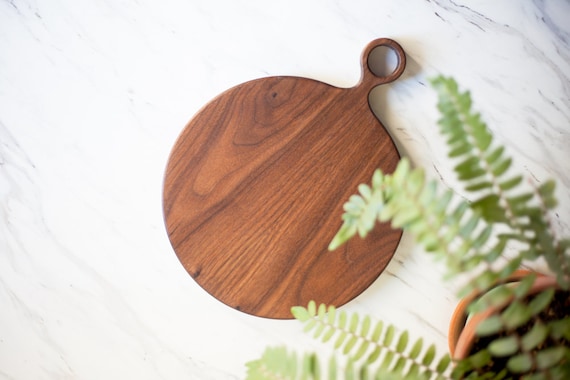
<point x="470" y="237"/>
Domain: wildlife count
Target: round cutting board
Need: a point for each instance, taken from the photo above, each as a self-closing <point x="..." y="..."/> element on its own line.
<point x="255" y="186"/>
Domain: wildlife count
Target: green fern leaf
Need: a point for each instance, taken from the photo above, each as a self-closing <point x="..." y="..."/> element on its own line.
<point x="416" y="349"/>
<point x="485" y="280"/>
<point x="321" y="311"/>
<point x="340" y="340"/>
<point x="402" y="342"/>
<point x="365" y="191"/>
<point x="464" y="100"/>
<point x="470" y="172"/>
<point x="361" y="350"/>
<point x="311" y="323"/>
<point x="353" y="325"/>
<point x="428" y="195"/>
<point x="351" y="342"/>
<point x="510" y="268"/>
<point x="506" y="346"/>
<point x="481" y="239"/>
<point x="425" y="236"/>
<point x="311" y="369"/>
<point x="460" y="149"/>
<point x="277" y="363"/>
<point x="388" y="211"/>
<point x="541" y="301"/>
<point x="469" y="164"/>
<point x="365" y="326"/>
<point x="443" y="202"/>
<point x="319" y="329"/>
<point x="523" y="287"/>
<point x="389" y="336"/>
<point x="520" y="363"/>
<point x="534" y="337"/>
<point x="399" y="365"/>
<point x="374" y="355"/>
<point x="551" y="356"/>
<point x="332" y="369"/>
<point x="349" y="371"/>
<point x="413" y="372"/>
<point x="498" y="297"/>
<point x="400" y="175"/>
<point x="405" y="217"/>
<point x="300" y="313"/>
<point x="386" y="361"/>
<point x="377" y="332"/>
<point x="501" y="167"/>
<point x="482" y="137"/>
<point x="495" y="155"/>
<point x="364" y="373"/>
<point x="510" y="183"/>
<point x="560" y="329"/>
<point x="328" y="334"/>
<point x="490" y="209"/>
<point x="519" y="202"/>
<point x="342" y="319"/>
<point x="492" y="255"/>
<point x="469" y="226"/>
<point x="331" y="313"/>
<point x="478" y="186"/>
<point x="429" y="355"/>
<point x="443" y="364"/>
<point x="516" y="314"/>
<point x="458" y="213"/>
<point x="490" y="326"/>
<point x="546" y="191"/>
<point x="377" y="179"/>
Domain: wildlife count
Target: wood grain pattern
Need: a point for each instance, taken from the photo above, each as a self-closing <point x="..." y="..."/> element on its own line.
<point x="254" y="189"/>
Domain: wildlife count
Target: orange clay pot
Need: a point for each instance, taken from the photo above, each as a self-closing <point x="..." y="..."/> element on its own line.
<point x="462" y="327"/>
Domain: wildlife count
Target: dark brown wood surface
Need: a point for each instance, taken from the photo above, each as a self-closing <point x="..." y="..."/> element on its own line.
<point x="255" y="185"/>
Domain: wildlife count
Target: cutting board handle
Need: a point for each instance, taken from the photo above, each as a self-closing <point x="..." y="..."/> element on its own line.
<point x="369" y="79"/>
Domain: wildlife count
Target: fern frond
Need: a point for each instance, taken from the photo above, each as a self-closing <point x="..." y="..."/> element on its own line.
<point x="480" y="166"/>
<point x="483" y="167"/>
<point x="376" y="346"/>
<point x="276" y="363"/>
<point x="361" y="211"/>
<point x="406" y="199"/>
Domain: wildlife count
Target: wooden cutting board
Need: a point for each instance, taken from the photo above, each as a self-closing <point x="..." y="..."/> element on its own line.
<point x="256" y="182"/>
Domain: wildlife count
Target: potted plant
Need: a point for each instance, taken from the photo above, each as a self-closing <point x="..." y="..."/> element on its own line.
<point x="527" y="341"/>
<point x="513" y="330"/>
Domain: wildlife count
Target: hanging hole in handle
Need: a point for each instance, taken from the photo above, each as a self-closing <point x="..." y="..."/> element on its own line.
<point x="383" y="61"/>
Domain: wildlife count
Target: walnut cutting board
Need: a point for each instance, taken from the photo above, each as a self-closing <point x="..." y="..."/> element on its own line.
<point x="255" y="185"/>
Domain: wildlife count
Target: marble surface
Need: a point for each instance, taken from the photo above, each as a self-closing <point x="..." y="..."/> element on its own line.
<point x="93" y="95"/>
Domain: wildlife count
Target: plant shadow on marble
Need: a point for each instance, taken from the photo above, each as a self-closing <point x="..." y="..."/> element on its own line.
<point x="517" y="331"/>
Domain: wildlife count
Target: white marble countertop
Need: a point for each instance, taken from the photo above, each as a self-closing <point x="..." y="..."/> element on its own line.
<point x="93" y="95"/>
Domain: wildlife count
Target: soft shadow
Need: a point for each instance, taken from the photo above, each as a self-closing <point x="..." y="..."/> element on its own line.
<point x="383" y="62"/>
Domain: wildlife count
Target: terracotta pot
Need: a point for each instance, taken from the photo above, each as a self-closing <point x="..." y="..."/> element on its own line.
<point x="462" y="327"/>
